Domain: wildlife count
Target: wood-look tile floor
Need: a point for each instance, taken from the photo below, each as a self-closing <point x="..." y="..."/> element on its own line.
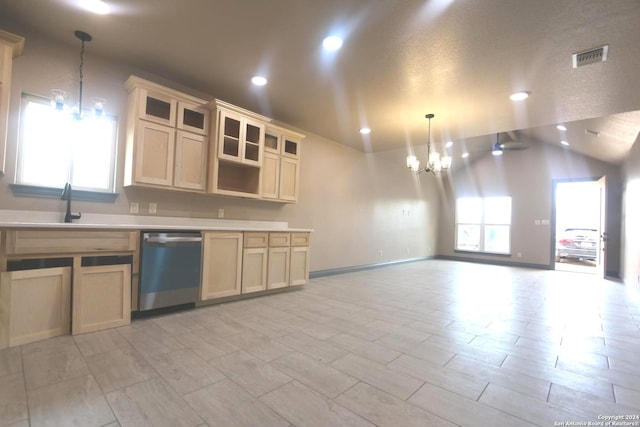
<point x="430" y="343"/>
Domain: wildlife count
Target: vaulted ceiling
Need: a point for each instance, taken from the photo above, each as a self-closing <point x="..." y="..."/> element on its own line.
<point x="458" y="59"/>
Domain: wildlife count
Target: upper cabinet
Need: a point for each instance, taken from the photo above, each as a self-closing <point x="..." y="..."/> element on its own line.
<point x="280" y="170"/>
<point x="179" y="142"/>
<point x="238" y="155"/>
<point x="11" y="46"/>
<point x="167" y="138"/>
<point x="241" y="139"/>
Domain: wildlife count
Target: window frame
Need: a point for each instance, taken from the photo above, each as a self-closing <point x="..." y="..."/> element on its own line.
<point x="483" y="225"/>
<point x="21" y="187"/>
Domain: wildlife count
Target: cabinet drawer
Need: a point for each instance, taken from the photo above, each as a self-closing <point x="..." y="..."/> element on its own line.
<point x="300" y="239"/>
<point x="256" y="240"/>
<point x="279" y="239"/>
<point x="25" y="242"/>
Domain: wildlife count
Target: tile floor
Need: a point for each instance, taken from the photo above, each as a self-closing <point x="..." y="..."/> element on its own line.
<point x="431" y="343"/>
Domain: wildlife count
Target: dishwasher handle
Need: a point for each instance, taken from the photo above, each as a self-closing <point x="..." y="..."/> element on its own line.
<point x="164" y="239"/>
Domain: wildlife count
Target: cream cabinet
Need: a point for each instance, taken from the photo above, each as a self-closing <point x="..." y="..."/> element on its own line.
<point x="299" y="262"/>
<point x="274" y="260"/>
<point x="154" y="151"/>
<point x="34" y="305"/>
<point x="254" y="262"/>
<point x="57" y="281"/>
<point x="221" y="265"/>
<point x="190" y="161"/>
<point x="278" y="269"/>
<point x="11" y="46"/>
<point x="237" y="158"/>
<point x="101" y="297"/>
<point x="240" y="138"/>
<point x="167" y="138"/>
<point x="288" y="260"/>
<point x="280" y="170"/>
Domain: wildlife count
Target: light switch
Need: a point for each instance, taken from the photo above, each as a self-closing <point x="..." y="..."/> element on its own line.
<point x="220" y="213"/>
<point x="133" y="207"/>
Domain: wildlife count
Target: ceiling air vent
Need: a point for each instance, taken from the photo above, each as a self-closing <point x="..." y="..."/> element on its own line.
<point x="590" y="56"/>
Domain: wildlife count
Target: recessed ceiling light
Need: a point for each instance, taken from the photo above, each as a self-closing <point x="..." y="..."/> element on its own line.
<point x="561" y="127"/>
<point x="332" y="43"/>
<point x="259" y="80"/>
<point x="365" y="131"/>
<point x="449" y="144"/>
<point x="465" y="155"/>
<point x="95" y="6"/>
<point x="519" y="96"/>
<point x="563" y="142"/>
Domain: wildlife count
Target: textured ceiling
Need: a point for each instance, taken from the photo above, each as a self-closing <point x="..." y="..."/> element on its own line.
<point x="400" y="60"/>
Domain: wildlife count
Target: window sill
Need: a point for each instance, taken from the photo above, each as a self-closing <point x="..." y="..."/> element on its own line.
<point x="21" y="190"/>
<point x="462" y="251"/>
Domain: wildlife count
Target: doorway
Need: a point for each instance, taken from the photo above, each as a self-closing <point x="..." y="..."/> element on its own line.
<point x="579" y="226"/>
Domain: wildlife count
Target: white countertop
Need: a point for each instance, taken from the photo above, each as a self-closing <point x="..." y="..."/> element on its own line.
<point x="41" y="219"/>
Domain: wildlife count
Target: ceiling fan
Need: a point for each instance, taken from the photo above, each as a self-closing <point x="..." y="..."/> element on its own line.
<point x="512" y="144"/>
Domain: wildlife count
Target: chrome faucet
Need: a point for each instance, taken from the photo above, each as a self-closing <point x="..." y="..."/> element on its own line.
<point x="66" y="195"/>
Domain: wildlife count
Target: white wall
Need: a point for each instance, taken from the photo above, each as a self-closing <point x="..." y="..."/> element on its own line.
<point x="365" y="208"/>
<point x="527" y="176"/>
<point x="631" y="218"/>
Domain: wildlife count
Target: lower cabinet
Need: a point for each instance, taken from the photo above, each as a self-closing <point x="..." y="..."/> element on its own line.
<point x="278" y="271"/>
<point x="221" y="264"/>
<point x="254" y="262"/>
<point x="274" y="260"/>
<point x="299" y="266"/>
<point x="34" y="305"/>
<point x="101" y="297"/>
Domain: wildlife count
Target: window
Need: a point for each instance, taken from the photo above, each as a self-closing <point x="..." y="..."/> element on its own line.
<point x="483" y="224"/>
<point x="55" y="148"/>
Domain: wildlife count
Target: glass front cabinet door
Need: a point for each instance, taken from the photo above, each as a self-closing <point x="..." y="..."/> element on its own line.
<point x="240" y="139"/>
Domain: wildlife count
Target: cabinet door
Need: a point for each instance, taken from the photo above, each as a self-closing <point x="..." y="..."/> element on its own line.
<point x="289" y="175"/>
<point x="240" y="139"/>
<point x="192" y="118"/>
<point x="272" y="141"/>
<point x="229" y="137"/>
<point x="154" y="154"/>
<point x="270" y="171"/>
<point x="299" y="273"/>
<point x="254" y="270"/>
<point x="101" y="297"/>
<point x="278" y="271"/>
<point x="290" y="146"/>
<point x="253" y="142"/>
<point x="221" y="265"/>
<point x="157" y="107"/>
<point x="35" y="305"/>
<point x="190" y="161"/>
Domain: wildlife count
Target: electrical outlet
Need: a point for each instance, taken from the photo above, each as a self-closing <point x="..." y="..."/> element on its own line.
<point x="380" y="252"/>
<point x="134" y="207"/>
<point x="153" y="207"/>
<point x="220" y="213"/>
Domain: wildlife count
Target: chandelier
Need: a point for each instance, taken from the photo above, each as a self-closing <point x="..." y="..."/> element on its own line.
<point x="435" y="163"/>
<point x="58" y="96"/>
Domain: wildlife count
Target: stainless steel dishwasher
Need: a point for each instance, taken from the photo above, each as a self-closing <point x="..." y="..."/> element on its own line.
<point x="170" y="269"/>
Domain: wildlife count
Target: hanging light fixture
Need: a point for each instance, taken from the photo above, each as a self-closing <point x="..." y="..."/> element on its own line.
<point x="435" y="163"/>
<point x="58" y="96"/>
